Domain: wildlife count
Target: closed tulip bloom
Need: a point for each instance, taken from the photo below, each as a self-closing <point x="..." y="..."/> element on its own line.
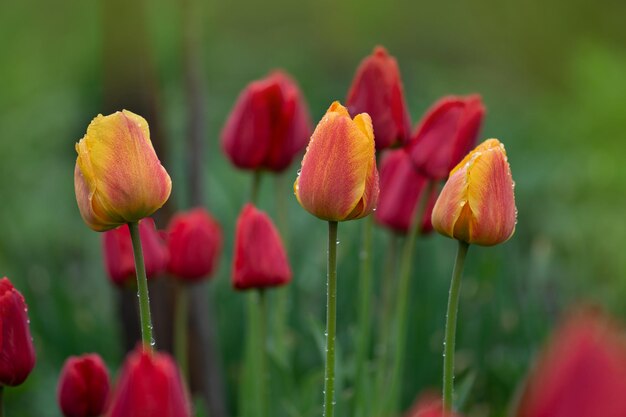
<point x="17" y="353"/>
<point x="118" y="178"/>
<point x="338" y="180"/>
<point x="447" y="132"/>
<point x="194" y="241"/>
<point x="581" y="373"/>
<point x="260" y="260"/>
<point x="477" y="203"/>
<point x="83" y="388"/>
<point x="377" y="90"/>
<point x="269" y="125"/>
<point x="429" y="405"/>
<point x="118" y="253"/>
<point x="149" y="385"/>
<point x="401" y="188"/>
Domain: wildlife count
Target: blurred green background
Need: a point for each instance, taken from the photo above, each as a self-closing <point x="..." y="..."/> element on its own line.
<point x="552" y="75"/>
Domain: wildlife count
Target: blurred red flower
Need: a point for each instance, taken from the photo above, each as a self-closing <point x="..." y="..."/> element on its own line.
<point x="84" y="385"/>
<point x="269" y="125"/>
<point x="260" y="260"/>
<point x="194" y="241"/>
<point x="149" y="385"/>
<point x="377" y="90"/>
<point x="17" y="353"/>
<point x="581" y="373"/>
<point x="401" y="187"/>
<point x="118" y="252"/>
<point x="447" y="132"/>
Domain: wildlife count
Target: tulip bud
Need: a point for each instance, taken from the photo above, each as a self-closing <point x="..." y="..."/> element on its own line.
<point x="401" y="188"/>
<point x="17" y="353"/>
<point x="446" y="133"/>
<point x="260" y="260"/>
<point x="118" y="253"/>
<point x="429" y="406"/>
<point x="268" y="126"/>
<point x="118" y="178"/>
<point x="194" y="241"/>
<point x="83" y="387"/>
<point x="149" y="385"/>
<point x="581" y="373"/>
<point x="477" y="204"/>
<point x="377" y="90"/>
<point x="339" y="180"/>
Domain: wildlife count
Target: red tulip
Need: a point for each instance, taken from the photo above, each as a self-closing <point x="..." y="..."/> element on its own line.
<point x="401" y="187"/>
<point x="447" y="132"/>
<point x="83" y="387"/>
<point x="581" y="373"/>
<point x="260" y="260"/>
<point x="194" y="240"/>
<point x="118" y="252"/>
<point x="269" y="125"/>
<point x="149" y="385"/>
<point x="377" y="90"/>
<point x="429" y="405"/>
<point x="17" y="353"/>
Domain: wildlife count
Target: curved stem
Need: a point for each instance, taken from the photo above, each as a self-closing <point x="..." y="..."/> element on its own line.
<point x="331" y="317"/>
<point x="142" y="288"/>
<point x="451" y="316"/>
<point x="403" y="296"/>
<point x="181" y="329"/>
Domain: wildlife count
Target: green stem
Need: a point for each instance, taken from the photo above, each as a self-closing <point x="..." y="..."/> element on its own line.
<point x="402" y="299"/>
<point x="364" y="321"/>
<point x="331" y="319"/>
<point x="263" y="384"/>
<point x="181" y="327"/>
<point x="451" y="316"/>
<point x="142" y="288"/>
<point x="1" y="401"/>
<point x="256" y="186"/>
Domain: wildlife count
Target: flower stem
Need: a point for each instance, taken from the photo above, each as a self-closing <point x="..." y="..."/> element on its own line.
<point x="331" y="318"/>
<point x="451" y="316"/>
<point x="1" y="401"/>
<point x="142" y="288"/>
<point x="364" y="313"/>
<point x="262" y="352"/>
<point x="403" y="290"/>
<point x="181" y="327"/>
<point x="256" y="186"/>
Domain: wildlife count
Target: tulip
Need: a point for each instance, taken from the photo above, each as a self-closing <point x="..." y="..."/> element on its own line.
<point x="339" y="180"/>
<point x="118" y="178"/>
<point x="268" y="126"/>
<point x="401" y="187"/>
<point x="149" y="385"/>
<point x="194" y="241"/>
<point x="582" y="372"/>
<point x="83" y="387"/>
<point x="17" y="353"/>
<point x="446" y="133"/>
<point x="118" y="253"/>
<point x="428" y="405"/>
<point x="377" y="90"/>
<point x="477" y="204"/>
<point x="260" y="260"/>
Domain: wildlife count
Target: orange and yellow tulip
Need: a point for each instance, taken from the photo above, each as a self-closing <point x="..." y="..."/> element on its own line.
<point x="118" y="177"/>
<point x="339" y="180"/>
<point x="477" y="204"/>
